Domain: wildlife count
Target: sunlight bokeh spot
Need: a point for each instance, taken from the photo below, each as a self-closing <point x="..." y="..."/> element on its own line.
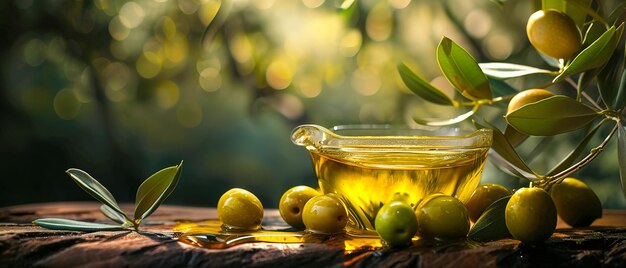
<point x="117" y="29"/>
<point x="499" y="46"/>
<point x="148" y="65"/>
<point x="310" y="86"/>
<point x="210" y="79"/>
<point x="279" y="74"/>
<point x="366" y="81"/>
<point x="35" y="52"/>
<point x="379" y="23"/>
<point x="167" y="94"/>
<point x="351" y="43"/>
<point x="66" y="104"/>
<point x="131" y="15"/>
<point x="478" y="23"/>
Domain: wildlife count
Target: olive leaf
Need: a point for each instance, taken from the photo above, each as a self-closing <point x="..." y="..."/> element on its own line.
<point x="579" y="9"/>
<point x="94" y="188"/>
<point x="447" y="122"/>
<point x="114" y="215"/>
<point x="621" y="155"/>
<point x="501" y="88"/>
<point x="150" y="195"/>
<point x="551" y="116"/>
<point x="573" y="155"/>
<point x="421" y="87"/>
<point x="609" y="79"/>
<point x="492" y="224"/>
<point x="503" y="71"/>
<point x="593" y="32"/>
<point x="620" y="100"/>
<point x="504" y="149"/>
<point x="154" y="190"/>
<point x="513" y="136"/>
<point x="462" y="70"/>
<point x="72" y="225"/>
<point x="595" y="55"/>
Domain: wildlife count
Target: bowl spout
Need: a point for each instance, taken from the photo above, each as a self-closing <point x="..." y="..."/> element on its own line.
<point x="310" y="136"/>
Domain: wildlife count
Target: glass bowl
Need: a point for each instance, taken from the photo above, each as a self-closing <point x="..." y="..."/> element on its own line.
<point x="367" y="166"/>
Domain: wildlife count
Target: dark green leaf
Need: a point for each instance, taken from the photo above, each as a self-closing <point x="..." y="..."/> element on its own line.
<point x="595" y="55"/>
<point x="72" y="225"/>
<point x="447" y="122"/>
<point x="421" y="87"/>
<point x="462" y="70"/>
<point x="573" y="155"/>
<point x="491" y="225"/>
<point x="154" y="190"/>
<point x="578" y="11"/>
<point x="94" y="188"/>
<point x="513" y="136"/>
<point x="505" y="71"/>
<point x="113" y="215"/>
<point x="586" y="77"/>
<point x="609" y="79"/>
<point x="621" y="156"/>
<point x="502" y="147"/>
<point x="620" y="100"/>
<point x="593" y="32"/>
<point x="501" y="88"/>
<point x="551" y="116"/>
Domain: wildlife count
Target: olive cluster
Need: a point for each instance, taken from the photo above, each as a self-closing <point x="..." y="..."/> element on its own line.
<point x="300" y="207"/>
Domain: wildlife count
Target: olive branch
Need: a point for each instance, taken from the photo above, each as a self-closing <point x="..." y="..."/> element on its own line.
<point x="151" y="193"/>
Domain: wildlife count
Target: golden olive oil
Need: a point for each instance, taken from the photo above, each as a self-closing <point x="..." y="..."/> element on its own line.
<point x="367" y="178"/>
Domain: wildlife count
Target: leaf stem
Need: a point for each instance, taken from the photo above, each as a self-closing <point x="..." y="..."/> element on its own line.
<point x="548" y="181"/>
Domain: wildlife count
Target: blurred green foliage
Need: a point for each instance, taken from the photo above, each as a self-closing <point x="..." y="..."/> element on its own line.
<point x="121" y="89"/>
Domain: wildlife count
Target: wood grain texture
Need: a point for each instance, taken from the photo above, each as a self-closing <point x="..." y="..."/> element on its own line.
<point x="22" y="244"/>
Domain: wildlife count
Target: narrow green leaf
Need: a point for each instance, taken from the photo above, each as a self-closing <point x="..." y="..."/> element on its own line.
<point x="503" y="148"/>
<point x="559" y="5"/>
<point x="593" y="32"/>
<point x="347" y="4"/>
<point x="503" y="71"/>
<point x="153" y="191"/>
<point x="492" y="224"/>
<point x="421" y="87"/>
<point x="446" y="122"/>
<point x="513" y="136"/>
<point x="113" y="215"/>
<point x="579" y="9"/>
<point x="573" y="155"/>
<point x="550" y="60"/>
<point x="94" y="188"/>
<point x="595" y="55"/>
<point x="620" y="100"/>
<point x="585" y="79"/>
<point x="462" y="70"/>
<point x="501" y="88"/>
<point x="621" y="156"/>
<point x="609" y="79"/>
<point x="72" y="225"/>
<point x="551" y="116"/>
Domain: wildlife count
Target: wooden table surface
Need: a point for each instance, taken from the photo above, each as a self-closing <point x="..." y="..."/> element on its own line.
<point x="22" y="244"/>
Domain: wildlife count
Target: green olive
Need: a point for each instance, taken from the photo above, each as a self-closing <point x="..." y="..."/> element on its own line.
<point x="530" y="215"/>
<point x="292" y="202"/>
<point x="483" y="196"/>
<point x="527" y="96"/>
<point x="396" y="223"/>
<point x="324" y="214"/>
<point x="240" y="209"/>
<point x="443" y="217"/>
<point x="554" y="33"/>
<point x="576" y="203"/>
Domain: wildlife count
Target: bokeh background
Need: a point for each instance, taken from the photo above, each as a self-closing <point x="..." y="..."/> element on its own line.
<point x="122" y="89"/>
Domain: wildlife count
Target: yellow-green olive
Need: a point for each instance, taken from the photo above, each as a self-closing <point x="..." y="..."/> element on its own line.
<point x="325" y="214"/>
<point x="396" y="223"/>
<point x="292" y="202"/>
<point x="576" y="203"/>
<point x="554" y="34"/>
<point x="443" y="217"/>
<point x="527" y="96"/>
<point x="483" y="196"/>
<point x="530" y="215"/>
<point x="240" y="209"/>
